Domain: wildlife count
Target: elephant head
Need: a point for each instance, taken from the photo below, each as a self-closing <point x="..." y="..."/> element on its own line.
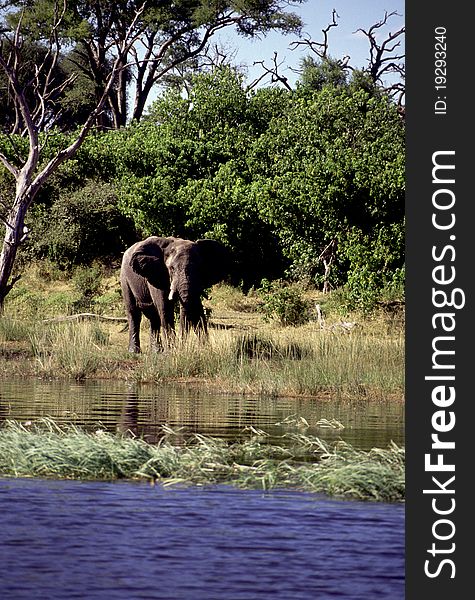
<point x="158" y="271"/>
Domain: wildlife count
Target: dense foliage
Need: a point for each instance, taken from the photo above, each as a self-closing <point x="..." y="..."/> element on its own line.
<point x="277" y="176"/>
<point x="88" y="36"/>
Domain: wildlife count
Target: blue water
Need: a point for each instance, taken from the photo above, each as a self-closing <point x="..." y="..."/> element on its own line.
<point x="123" y="540"/>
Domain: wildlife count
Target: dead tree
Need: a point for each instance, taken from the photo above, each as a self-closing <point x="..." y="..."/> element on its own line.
<point x="28" y="175"/>
<point x="383" y="61"/>
<point x="321" y="49"/>
<point x="384" y="57"/>
<point x="273" y="71"/>
<point x="328" y="256"/>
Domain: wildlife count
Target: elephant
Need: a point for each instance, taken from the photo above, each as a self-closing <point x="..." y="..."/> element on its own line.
<point x="159" y="271"/>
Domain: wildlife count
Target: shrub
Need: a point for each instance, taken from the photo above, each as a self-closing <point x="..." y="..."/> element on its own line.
<point x="87" y="280"/>
<point x="283" y="303"/>
<point x="256" y="346"/>
<point x="81" y="226"/>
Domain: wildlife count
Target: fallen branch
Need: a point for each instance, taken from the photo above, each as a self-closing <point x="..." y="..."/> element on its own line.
<point x="85" y="317"/>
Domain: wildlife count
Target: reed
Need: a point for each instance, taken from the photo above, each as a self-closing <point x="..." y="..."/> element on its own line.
<point x="304" y="362"/>
<point x="43" y="449"/>
<point x="73" y="350"/>
<point x="13" y="329"/>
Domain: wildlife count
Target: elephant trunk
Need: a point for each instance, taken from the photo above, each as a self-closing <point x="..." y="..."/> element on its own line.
<point x="192" y="316"/>
<point x="186" y="283"/>
<point x="187" y="286"/>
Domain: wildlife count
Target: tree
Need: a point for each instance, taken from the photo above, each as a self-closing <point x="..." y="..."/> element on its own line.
<point x="310" y="181"/>
<point x="167" y="34"/>
<point x="31" y="171"/>
<point x="67" y="103"/>
<point x="385" y="59"/>
<point x="114" y="42"/>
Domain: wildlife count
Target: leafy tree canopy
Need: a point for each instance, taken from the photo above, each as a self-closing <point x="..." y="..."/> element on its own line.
<point x="277" y="176"/>
<point x="166" y="34"/>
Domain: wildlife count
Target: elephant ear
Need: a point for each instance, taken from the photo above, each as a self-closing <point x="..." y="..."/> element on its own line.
<point x="216" y="260"/>
<point x="149" y="263"/>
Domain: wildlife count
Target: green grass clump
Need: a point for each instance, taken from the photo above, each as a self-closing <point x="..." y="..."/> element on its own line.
<point x="13" y="330"/>
<point x="43" y="449"/>
<point x="71" y="349"/>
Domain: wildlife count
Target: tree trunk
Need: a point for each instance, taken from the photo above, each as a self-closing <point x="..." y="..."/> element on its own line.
<point x="141" y="99"/>
<point x="14" y="231"/>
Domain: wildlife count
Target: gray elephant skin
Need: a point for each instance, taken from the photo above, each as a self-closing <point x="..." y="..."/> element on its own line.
<point x="160" y="271"/>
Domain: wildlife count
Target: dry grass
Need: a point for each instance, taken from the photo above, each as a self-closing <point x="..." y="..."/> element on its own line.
<point x="243" y="353"/>
<point x="303" y="361"/>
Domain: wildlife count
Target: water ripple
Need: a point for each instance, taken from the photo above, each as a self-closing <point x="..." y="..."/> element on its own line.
<point x="126" y="541"/>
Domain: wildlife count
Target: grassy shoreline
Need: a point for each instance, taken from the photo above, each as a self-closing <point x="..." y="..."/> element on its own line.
<point x="302" y="362"/>
<point x="244" y="353"/>
<point x="44" y="449"/>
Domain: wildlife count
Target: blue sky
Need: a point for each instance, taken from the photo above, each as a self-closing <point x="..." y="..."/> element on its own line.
<point x="316" y="15"/>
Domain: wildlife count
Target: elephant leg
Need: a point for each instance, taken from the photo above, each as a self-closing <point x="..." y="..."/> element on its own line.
<point x="168" y="320"/>
<point x="155" y="341"/>
<point x="155" y="323"/>
<point x="164" y="310"/>
<point x="134" y="318"/>
<point x="184" y="325"/>
<point x="202" y="326"/>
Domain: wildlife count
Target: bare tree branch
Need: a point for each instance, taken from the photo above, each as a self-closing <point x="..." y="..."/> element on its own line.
<point x="66" y="153"/>
<point x="319" y="48"/>
<point x="273" y="71"/>
<point x="7" y="164"/>
<point x="382" y="60"/>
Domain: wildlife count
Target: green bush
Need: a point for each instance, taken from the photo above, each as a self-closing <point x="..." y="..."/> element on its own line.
<point x="87" y="280"/>
<point x="80" y="226"/>
<point x="283" y="303"/>
<point x="374" y="270"/>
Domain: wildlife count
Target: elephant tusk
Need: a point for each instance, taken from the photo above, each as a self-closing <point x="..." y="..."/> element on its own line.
<point x="173" y="287"/>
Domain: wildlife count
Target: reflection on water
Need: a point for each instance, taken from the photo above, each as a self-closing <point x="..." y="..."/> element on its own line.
<point x="145" y="408"/>
<point x="124" y="541"/>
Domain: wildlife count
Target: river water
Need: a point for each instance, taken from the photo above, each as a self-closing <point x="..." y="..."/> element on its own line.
<point x="91" y="540"/>
<point x="127" y="540"/>
<point x="144" y="409"/>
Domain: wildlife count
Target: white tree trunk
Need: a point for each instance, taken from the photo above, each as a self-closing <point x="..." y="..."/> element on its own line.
<point x="14" y="235"/>
<point x="28" y="181"/>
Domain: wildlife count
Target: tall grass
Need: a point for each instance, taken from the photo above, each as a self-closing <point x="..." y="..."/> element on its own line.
<point x="304" y="362"/>
<point x="13" y="329"/>
<point x="246" y="355"/>
<point x="44" y="449"/>
<point x="73" y="350"/>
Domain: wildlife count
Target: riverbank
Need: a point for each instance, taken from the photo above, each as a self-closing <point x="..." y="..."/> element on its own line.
<point x="345" y="356"/>
<point x="301" y="361"/>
